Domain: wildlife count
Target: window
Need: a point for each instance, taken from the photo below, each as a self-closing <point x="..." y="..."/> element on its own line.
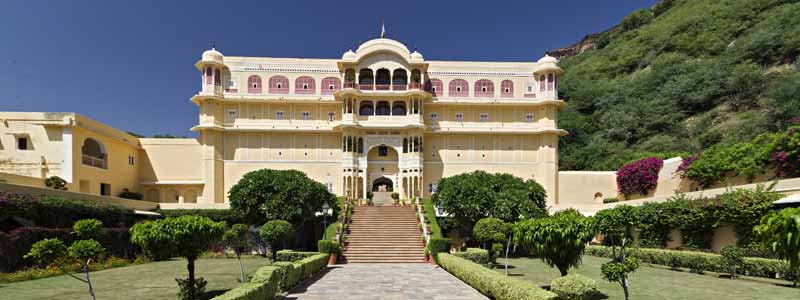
<point x="131" y="160"/>
<point x="278" y="85"/>
<point x="105" y="189"/>
<point x="329" y="185"/>
<point x="231" y="116"/>
<point x="331" y="116"/>
<point x="484" y="88"/>
<point x="508" y="88"/>
<point x="434" y="86"/>
<point x="231" y="84"/>
<point x="432" y="187"/>
<point x="23" y="143"/>
<point x="530" y="88"/>
<point x="93" y="154"/>
<point x="434" y="116"/>
<point x="459" y="117"/>
<point x="484" y="117"/>
<point x="331" y="87"/>
<point x="279" y="115"/>
<point x="254" y="84"/>
<point x="383" y="151"/>
<point x="529" y="118"/>
<point x="304" y="85"/>
<point x="305" y="115"/>
<point x="458" y="88"/>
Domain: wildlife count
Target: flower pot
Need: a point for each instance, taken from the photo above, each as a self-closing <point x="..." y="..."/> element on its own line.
<point x="431" y="260"/>
<point x="332" y="259"/>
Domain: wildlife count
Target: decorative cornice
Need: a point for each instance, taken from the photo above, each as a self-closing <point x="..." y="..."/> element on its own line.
<point x="264" y="68"/>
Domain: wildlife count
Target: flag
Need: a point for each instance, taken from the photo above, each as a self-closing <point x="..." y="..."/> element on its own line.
<point x="383" y="29"/>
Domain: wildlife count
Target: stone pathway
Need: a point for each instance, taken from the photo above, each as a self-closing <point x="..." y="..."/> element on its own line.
<point x="384" y="281"/>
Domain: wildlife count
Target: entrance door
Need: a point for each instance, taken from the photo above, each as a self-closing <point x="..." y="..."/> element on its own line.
<point x="382" y="184"/>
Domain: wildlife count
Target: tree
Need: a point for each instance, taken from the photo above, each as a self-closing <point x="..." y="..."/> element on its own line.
<point x="84" y="251"/>
<point x="559" y="240"/>
<point x="617" y="224"/>
<point x="185" y="236"/>
<point x="279" y="195"/>
<point x="732" y="258"/>
<point x="472" y="196"/>
<point x="276" y="232"/>
<point x="780" y="232"/>
<point x="56" y="183"/>
<point x="238" y="239"/>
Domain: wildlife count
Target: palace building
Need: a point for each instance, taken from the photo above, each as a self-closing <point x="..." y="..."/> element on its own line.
<point x="381" y="118"/>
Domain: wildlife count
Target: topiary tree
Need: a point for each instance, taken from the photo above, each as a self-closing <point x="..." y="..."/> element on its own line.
<point x="472" y="196"/>
<point x="279" y="195"/>
<point x="559" y="240"/>
<point x="56" y="183"/>
<point x="276" y="232"/>
<point x="83" y="251"/>
<point x="495" y="233"/>
<point x="732" y="258"/>
<point x="238" y="239"/>
<point x="574" y="287"/>
<point x="780" y="232"/>
<point x="185" y="236"/>
<point x="617" y="224"/>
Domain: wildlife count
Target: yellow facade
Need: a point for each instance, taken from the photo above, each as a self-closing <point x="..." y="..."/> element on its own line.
<point x="379" y="118"/>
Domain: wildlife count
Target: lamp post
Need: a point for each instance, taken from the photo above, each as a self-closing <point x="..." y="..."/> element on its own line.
<point x="325" y="208"/>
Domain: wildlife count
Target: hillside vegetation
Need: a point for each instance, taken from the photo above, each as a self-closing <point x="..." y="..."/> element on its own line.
<point x="679" y="78"/>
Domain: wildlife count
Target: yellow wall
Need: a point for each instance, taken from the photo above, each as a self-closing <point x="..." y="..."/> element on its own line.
<point x="119" y="174"/>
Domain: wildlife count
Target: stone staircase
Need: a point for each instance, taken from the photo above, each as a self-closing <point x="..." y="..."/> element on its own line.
<point x="384" y="234"/>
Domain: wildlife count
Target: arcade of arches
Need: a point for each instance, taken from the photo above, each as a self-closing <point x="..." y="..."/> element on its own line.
<point x="383" y="167"/>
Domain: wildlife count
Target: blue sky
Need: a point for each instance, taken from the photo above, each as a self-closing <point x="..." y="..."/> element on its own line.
<point x="129" y="64"/>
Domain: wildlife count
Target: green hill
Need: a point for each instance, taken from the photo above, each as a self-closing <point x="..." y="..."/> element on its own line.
<point x="679" y="78"/>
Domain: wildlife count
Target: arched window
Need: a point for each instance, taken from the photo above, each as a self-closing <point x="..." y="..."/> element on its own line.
<point x="399" y="78"/>
<point x="541" y="83"/>
<point x="278" y="85"/>
<point x="172" y="196"/>
<point x="360" y="145"/>
<point x="416" y="76"/>
<point x="349" y="144"/>
<point x="350" y="75"/>
<point x="304" y="85"/>
<point x="484" y="88"/>
<point x="435" y="87"/>
<point x="330" y="85"/>
<point x="217" y="77"/>
<point x="405" y="145"/>
<point x="94" y="154"/>
<point x="416" y="144"/>
<point x="550" y="82"/>
<point x="366" y="108"/>
<point x="458" y="88"/>
<point x="382" y="108"/>
<point x="398" y="108"/>
<point x="254" y="84"/>
<point x="507" y="88"/>
<point x="382" y="79"/>
<point x="209" y="76"/>
<point x="365" y="77"/>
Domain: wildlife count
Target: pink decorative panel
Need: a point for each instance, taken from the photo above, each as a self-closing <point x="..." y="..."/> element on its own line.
<point x="254" y="84"/>
<point x="484" y="88"/>
<point x="435" y="87"/>
<point x="278" y="85"/>
<point x="304" y="85"/>
<point x="550" y="82"/>
<point x="209" y="76"/>
<point x="458" y="88"/>
<point x="507" y="88"/>
<point x="541" y="83"/>
<point x="330" y="85"/>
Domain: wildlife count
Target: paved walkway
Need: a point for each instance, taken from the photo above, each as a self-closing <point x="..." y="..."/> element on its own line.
<point x="384" y="281"/>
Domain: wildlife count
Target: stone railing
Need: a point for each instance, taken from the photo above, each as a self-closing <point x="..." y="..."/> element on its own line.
<point x="421" y="214"/>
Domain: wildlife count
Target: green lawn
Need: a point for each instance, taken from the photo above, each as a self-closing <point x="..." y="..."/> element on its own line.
<point x="654" y="283"/>
<point x="148" y="281"/>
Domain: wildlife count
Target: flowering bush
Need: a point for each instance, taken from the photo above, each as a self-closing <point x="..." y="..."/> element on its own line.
<point x="685" y="163"/>
<point x="786" y="156"/>
<point x="640" y="176"/>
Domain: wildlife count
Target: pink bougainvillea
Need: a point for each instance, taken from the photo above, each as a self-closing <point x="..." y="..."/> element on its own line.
<point x="685" y="163"/>
<point x="640" y="176"/>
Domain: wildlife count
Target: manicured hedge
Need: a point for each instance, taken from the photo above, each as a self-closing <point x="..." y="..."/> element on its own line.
<point x="56" y="212"/>
<point x="219" y="215"/>
<point x="16" y="243"/>
<point x="293" y="272"/>
<point x="439" y="245"/>
<point x="700" y="261"/>
<point x="313" y="264"/>
<point x="263" y="285"/>
<point x="476" y="255"/>
<point x="490" y="283"/>
<point x="291" y="275"/>
<point x="291" y="255"/>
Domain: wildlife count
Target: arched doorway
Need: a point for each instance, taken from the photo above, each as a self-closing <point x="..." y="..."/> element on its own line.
<point x="382" y="184"/>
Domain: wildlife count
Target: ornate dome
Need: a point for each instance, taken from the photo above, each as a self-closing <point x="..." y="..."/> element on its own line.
<point x="349" y="55"/>
<point x="547" y="59"/>
<point x="212" y="56"/>
<point x="416" y="55"/>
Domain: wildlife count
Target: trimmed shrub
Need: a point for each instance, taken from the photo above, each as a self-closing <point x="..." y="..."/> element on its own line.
<point x="491" y="283"/>
<point x="131" y="195"/>
<point x="56" y="183"/>
<point x="313" y="264"/>
<point x="574" y="287"/>
<point x="328" y="247"/>
<point x="439" y="245"/>
<point x="700" y="261"/>
<point x="56" y="212"/>
<point x="476" y="255"/>
<point x="229" y="216"/>
<point x="291" y="275"/>
<point x="264" y="285"/>
<point x="291" y="255"/>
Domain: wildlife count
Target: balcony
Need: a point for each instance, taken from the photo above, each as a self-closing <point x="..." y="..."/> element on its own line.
<point x="415" y="86"/>
<point x="94" y="161"/>
<point x="212" y="89"/>
<point x="382" y="87"/>
<point x="350" y="85"/>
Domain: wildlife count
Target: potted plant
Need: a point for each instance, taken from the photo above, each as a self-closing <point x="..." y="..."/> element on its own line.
<point x="330" y="247"/>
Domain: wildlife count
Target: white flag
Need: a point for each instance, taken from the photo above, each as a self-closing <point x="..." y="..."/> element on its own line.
<point x="383" y="29"/>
